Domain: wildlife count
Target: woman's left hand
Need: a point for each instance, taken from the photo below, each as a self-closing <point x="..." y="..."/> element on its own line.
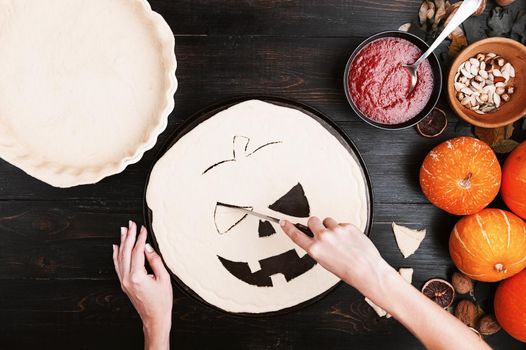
<point x="150" y="294"/>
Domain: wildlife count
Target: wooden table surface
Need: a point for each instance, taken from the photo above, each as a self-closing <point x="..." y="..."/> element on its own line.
<point x="58" y="287"/>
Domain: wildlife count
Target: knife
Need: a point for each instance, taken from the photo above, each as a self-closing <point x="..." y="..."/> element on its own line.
<point x="300" y="227"/>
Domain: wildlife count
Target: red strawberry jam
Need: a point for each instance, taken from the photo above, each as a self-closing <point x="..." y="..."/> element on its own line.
<point x="379" y="85"/>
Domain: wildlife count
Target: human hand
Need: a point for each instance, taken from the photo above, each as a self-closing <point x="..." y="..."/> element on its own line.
<point x="345" y="251"/>
<point x="151" y="295"/>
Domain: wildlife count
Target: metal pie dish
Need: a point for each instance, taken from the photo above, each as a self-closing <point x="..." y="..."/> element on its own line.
<point x="435" y="67"/>
<point x="211" y="111"/>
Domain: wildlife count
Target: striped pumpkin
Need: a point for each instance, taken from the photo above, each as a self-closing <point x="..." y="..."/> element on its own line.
<point x="489" y="246"/>
<point x="510" y="306"/>
<point x="514" y="181"/>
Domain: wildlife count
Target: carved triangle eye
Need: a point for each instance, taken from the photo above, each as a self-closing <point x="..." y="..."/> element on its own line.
<point x="265" y="229"/>
<point x="226" y="218"/>
<point x="293" y="203"/>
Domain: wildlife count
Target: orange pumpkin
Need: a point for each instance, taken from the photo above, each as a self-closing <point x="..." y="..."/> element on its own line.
<point x="510" y="306"/>
<point x="489" y="246"/>
<point x="461" y="176"/>
<point x="514" y="181"/>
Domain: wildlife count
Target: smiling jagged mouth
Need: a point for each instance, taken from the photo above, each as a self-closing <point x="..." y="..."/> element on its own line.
<point x="289" y="264"/>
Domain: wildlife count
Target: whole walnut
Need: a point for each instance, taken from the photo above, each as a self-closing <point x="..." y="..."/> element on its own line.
<point x="488" y="325"/>
<point x="466" y="311"/>
<point x="462" y="283"/>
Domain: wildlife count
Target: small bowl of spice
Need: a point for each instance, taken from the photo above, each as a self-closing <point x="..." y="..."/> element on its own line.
<point x="487" y="83"/>
<point x="377" y="85"/>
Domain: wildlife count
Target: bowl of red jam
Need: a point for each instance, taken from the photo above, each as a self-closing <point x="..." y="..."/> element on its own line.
<point x="377" y="85"/>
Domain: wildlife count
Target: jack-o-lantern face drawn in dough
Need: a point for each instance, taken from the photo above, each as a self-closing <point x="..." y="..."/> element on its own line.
<point x="275" y="160"/>
<point x="294" y="203"/>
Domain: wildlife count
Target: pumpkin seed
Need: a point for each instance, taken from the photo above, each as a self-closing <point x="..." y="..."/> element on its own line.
<point x="496" y="100"/>
<point x="466" y="73"/>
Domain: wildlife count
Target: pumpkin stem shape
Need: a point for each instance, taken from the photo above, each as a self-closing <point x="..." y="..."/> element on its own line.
<point x="466" y="182"/>
<point x="500" y="267"/>
<point x="240" y="146"/>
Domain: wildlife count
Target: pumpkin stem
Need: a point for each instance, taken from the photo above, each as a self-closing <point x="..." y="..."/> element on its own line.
<point x="240" y="147"/>
<point x="466" y="183"/>
<point x="500" y="268"/>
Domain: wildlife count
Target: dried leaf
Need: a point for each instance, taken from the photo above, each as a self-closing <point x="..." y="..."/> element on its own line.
<point x="518" y="30"/>
<point x="458" y="42"/>
<point x="500" y="22"/>
<point x="430" y="11"/>
<point x="405" y="27"/>
<point x="491" y="136"/>
<point x="451" y="11"/>
<point x="440" y="12"/>
<point x="505" y="146"/>
<point x="509" y="131"/>
<point x="475" y="28"/>
<point x="422" y="13"/>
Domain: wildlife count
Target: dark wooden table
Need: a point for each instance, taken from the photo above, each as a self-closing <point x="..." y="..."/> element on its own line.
<point x="58" y="287"/>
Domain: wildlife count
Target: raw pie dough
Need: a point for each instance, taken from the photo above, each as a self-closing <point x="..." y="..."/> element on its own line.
<point x="85" y="86"/>
<point x="260" y="152"/>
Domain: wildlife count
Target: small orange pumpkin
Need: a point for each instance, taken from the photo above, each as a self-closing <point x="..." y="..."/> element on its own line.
<point x="510" y="306"/>
<point x="461" y="176"/>
<point x="489" y="246"/>
<point x="514" y="181"/>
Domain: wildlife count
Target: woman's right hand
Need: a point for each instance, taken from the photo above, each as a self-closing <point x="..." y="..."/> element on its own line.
<point x="345" y="251"/>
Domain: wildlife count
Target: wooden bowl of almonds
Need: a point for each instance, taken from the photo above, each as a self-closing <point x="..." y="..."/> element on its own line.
<point x="487" y="82"/>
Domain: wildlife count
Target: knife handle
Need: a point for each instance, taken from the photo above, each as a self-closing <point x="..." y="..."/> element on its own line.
<point x="305" y="230"/>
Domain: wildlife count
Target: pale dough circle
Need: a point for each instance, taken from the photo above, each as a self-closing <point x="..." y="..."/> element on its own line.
<point x="85" y="86"/>
<point x="183" y="201"/>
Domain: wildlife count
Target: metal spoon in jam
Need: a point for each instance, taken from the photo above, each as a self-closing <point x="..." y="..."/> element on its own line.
<point x="465" y="10"/>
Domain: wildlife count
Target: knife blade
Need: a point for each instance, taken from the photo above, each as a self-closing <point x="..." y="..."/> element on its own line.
<point x="300" y="227"/>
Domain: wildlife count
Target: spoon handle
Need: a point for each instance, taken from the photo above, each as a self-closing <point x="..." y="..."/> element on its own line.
<point x="466" y="9"/>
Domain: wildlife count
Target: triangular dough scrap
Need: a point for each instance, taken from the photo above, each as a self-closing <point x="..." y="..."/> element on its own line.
<point x="408" y="240"/>
<point x="407" y="274"/>
<point x="381" y="312"/>
<point x="226" y="218"/>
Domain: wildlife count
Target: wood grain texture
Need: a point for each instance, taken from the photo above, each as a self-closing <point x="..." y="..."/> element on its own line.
<point x="310" y="18"/>
<point x="213" y="70"/>
<point x="72" y="241"/>
<point x="58" y="288"/>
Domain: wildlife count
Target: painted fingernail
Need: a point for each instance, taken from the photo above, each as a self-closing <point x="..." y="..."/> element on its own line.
<point x="282" y="223"/>
<point x="123" y="231"/>
<point x="130" y="223"/>
<point x="143" y="229"/>
<point x="149" y="248"/>
<point x="114" y="247"/>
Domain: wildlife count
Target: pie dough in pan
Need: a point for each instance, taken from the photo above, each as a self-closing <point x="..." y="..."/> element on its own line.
<point x="273" y="159"/>
<point x="85" y="86"/>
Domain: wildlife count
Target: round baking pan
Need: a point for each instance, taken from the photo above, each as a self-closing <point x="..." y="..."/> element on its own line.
<point x="209" y="112"/>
